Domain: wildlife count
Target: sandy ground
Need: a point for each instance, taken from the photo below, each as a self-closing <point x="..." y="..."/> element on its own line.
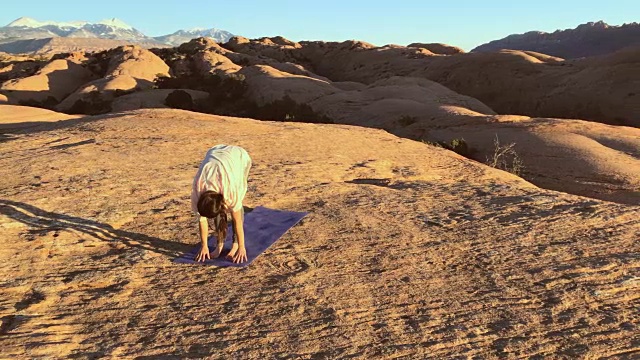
<point x="409" y="251"/>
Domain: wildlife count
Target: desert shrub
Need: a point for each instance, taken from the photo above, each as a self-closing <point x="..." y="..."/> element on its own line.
<point x="93" y="104"/>
<point x="160" y="81"/>
<point x="225" y="87"/>
<point x="286" y="109"/>
<point x="407" y="120"/>
<point x="49" y="103"/>
<point x="42" y="58"/>
<point x="226" y="92"/>
<point x="119" y="92"/>
<point x="227" y="97"/>
<point x="505" y="157"/>
<point x="179" y="99"/>
<point x="24" y="69"/>
<point x="168" y="55"/>
<point x="459" y="146"/>
<point x="63" y="55"/>
<point x="244" y="61"/>
<point x="212" y="104"/>
<point x="98" y="62"/>
<point x="231" y="88"/>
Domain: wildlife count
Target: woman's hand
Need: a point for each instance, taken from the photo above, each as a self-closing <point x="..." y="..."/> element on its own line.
<point x="203" y="254"/>
<point x="240" y="255"/>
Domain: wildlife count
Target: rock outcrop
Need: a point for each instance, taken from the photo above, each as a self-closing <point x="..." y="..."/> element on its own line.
<point x="437" y="48"/>
<point x="130" y="68"/>
<point x="57" y="80"/>
<point x="510" y="82"/>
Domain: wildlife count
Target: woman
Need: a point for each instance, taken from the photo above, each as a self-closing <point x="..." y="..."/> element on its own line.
<point x="218" y="190"/>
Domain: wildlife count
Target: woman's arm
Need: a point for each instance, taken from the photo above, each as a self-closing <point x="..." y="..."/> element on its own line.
<point x="203" y="227"/>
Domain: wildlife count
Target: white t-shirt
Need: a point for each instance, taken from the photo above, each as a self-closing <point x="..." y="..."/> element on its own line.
<point x="225" y="170"/>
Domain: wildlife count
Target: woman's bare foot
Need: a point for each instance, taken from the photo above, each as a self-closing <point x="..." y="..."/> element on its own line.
<point x="217" y="252"/>
<point x="234" y="249"/>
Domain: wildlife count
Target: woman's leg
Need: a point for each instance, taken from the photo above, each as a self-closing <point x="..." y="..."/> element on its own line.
<point x="247" y="169"/>
<point x="234" y="246"/>
<point x="235" y="236"/>
<point x="217" y="221"/>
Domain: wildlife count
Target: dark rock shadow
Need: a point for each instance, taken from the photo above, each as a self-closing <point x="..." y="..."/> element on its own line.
<point x="376" y="182"/>
<point x="387" y="183"/>
<point x="79" y="143"/>
<point x="11" y="322"/>
<point x="42" y="219"/>
<point x="13" y="131"/>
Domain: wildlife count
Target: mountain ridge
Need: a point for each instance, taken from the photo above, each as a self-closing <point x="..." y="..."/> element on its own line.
<point x="585" y="40"/>
<point x="33" y="23"/>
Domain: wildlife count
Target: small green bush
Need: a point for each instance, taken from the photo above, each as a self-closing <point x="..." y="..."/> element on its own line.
<point x="459" y="146"/>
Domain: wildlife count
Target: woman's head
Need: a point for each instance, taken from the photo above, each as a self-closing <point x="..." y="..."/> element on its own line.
<point x="211" y="205"/>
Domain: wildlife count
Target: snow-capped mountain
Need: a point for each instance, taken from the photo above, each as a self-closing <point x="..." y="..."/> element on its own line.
<point x="26" y="28"/>
<point x="32" y="23"/>
<point x="182" y="36"/>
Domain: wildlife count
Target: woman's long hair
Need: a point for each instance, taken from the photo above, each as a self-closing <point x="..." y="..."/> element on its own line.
<point x="211" y="205"/>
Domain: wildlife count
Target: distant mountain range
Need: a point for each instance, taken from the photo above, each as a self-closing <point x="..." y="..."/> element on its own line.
<point x="26" y="35"/>
<point x="19" y="35"/>
<point x="590" y="39"/>
<point x="182" y="36"/>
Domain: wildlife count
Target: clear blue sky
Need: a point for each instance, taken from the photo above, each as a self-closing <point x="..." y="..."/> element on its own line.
<point x="464" y="23"/>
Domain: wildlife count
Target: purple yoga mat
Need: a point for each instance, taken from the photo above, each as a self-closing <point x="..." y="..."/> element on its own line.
<point x="262" y="227"/>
